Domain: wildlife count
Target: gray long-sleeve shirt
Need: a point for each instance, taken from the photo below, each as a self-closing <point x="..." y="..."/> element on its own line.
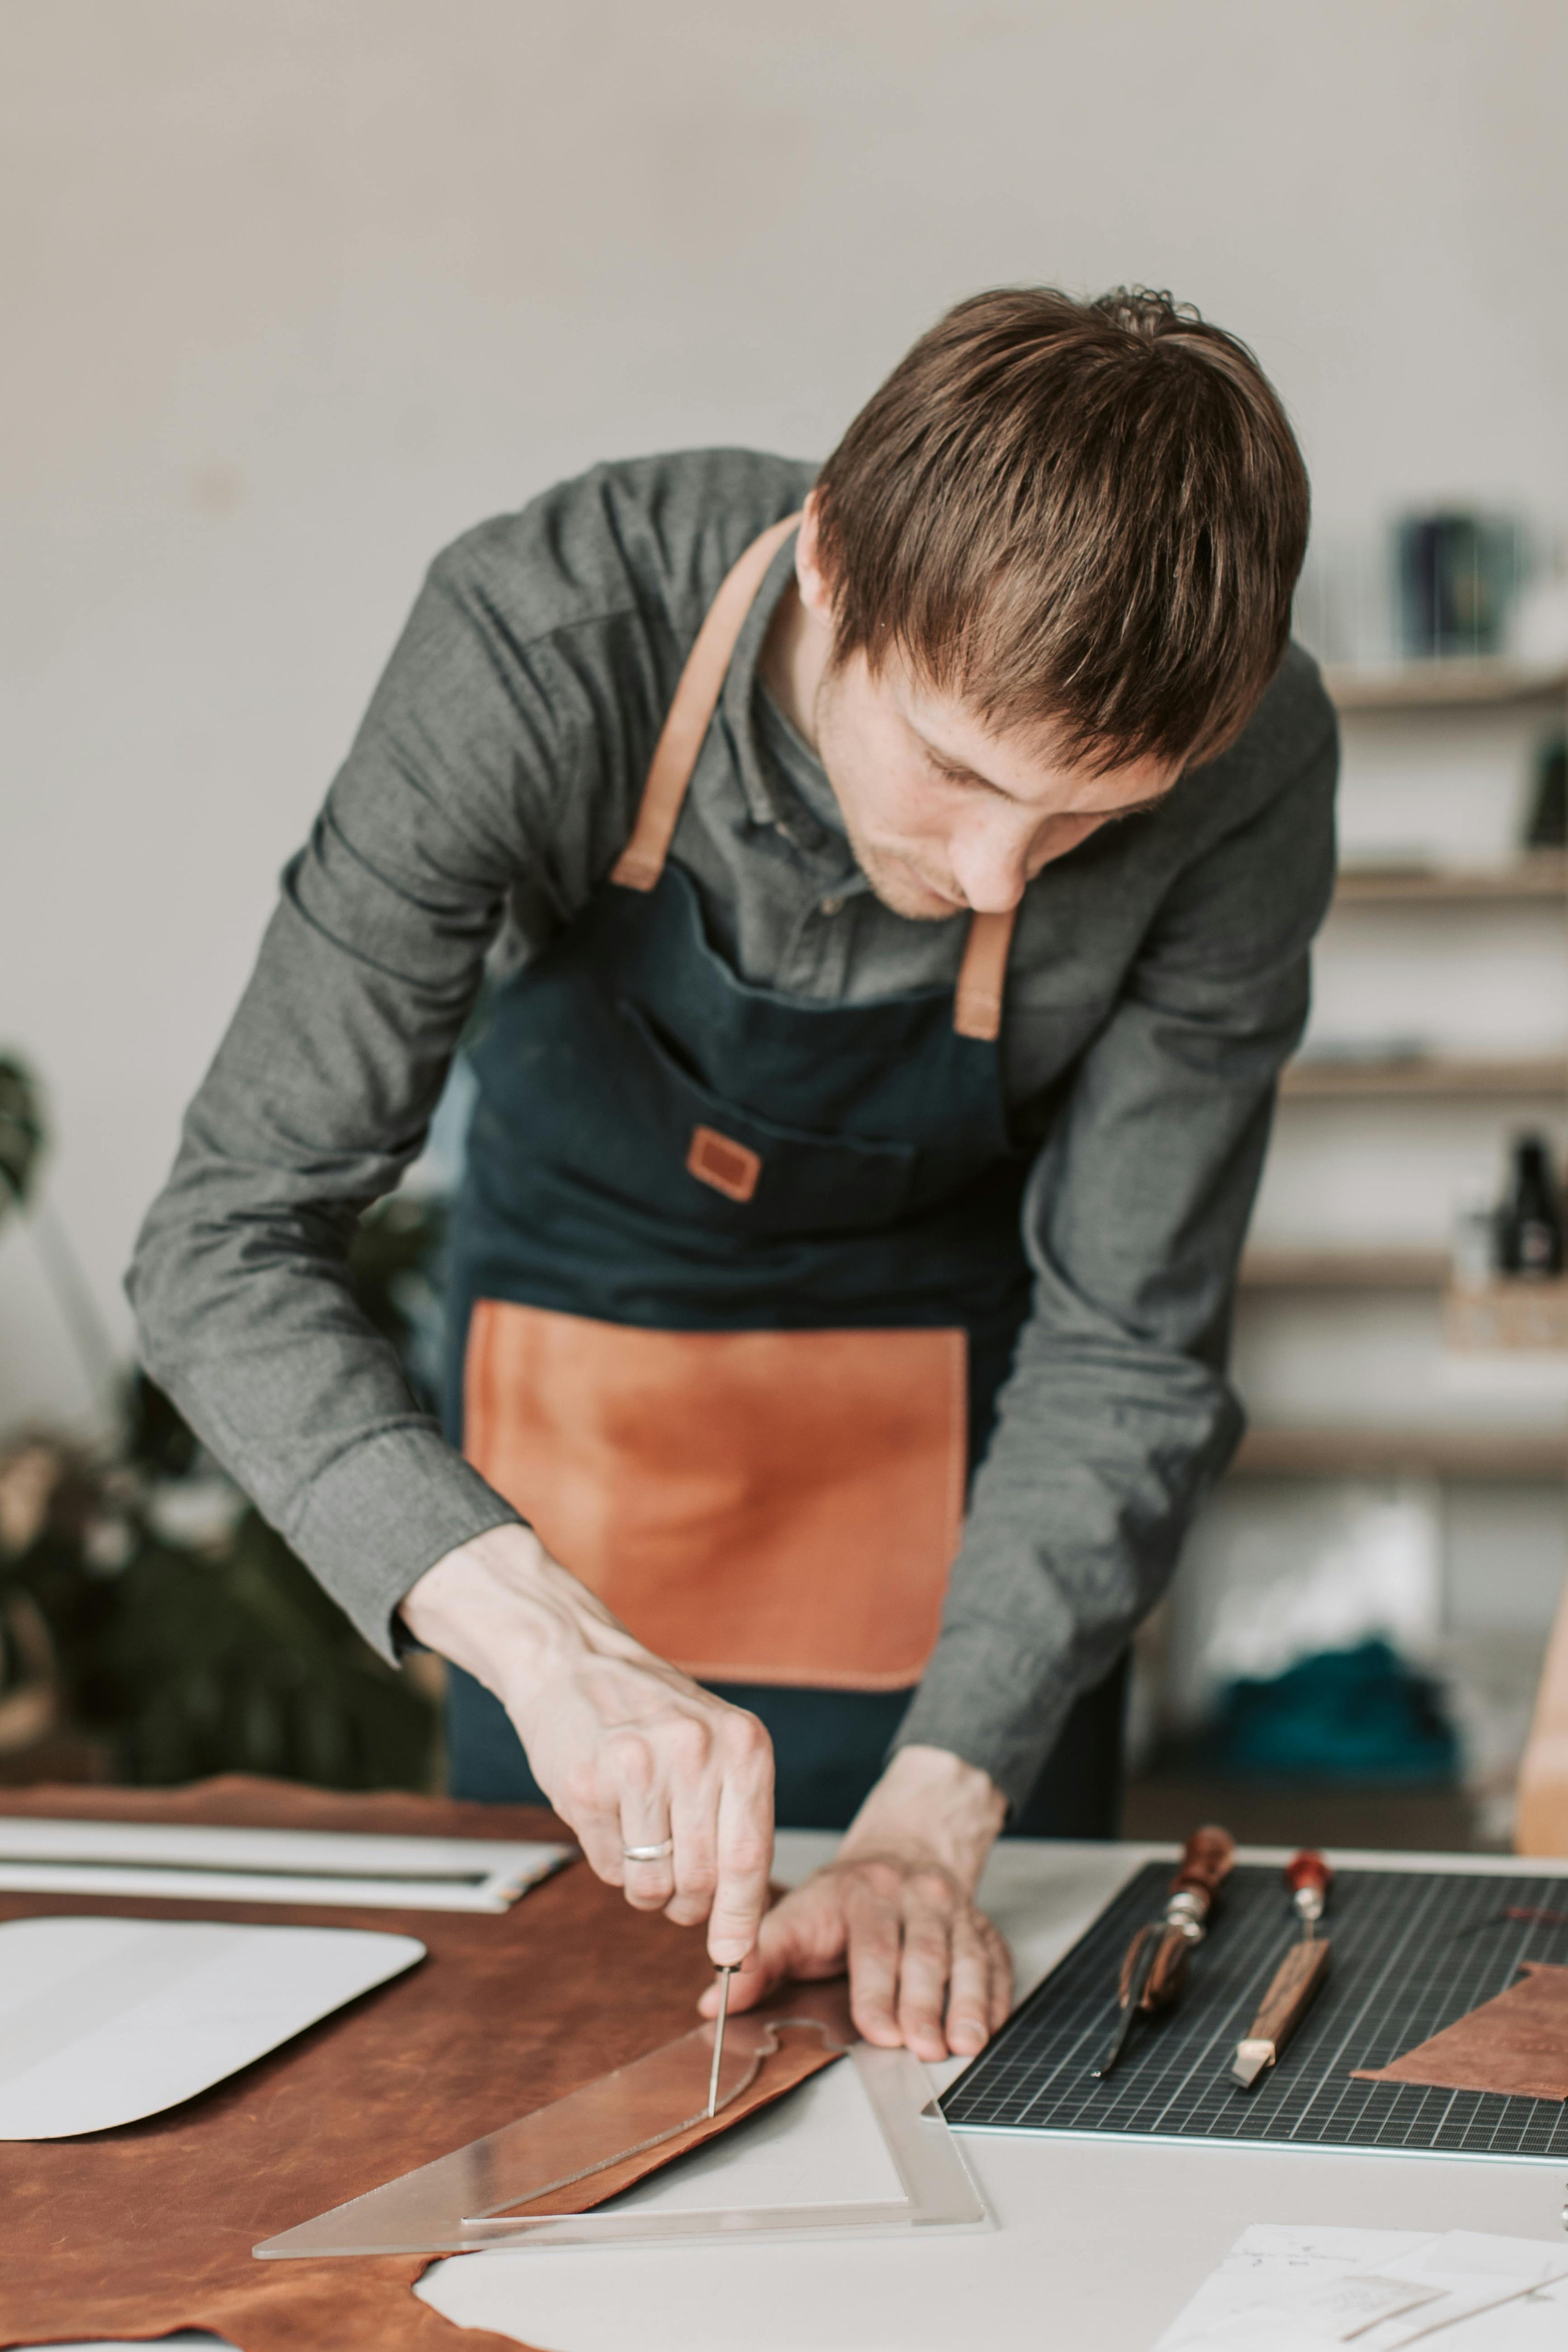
<point x="1158" y="978"/>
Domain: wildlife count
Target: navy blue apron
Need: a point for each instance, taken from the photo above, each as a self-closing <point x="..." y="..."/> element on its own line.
<point x="660" y="1148"/>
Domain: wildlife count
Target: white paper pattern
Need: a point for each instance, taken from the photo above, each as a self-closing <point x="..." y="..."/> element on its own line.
<point x="103" y="2021"/>
<point x="1290" y="2290"/>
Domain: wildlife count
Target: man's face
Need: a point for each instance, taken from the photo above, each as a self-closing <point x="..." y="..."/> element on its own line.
<point x="942" y="814"/>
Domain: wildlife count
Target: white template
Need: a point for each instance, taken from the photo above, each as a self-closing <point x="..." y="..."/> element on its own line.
<point x="105" y="2020"/>
<point x="166" y="1858"/>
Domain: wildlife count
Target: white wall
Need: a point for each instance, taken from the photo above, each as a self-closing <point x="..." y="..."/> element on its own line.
<point x="297" y="289"/>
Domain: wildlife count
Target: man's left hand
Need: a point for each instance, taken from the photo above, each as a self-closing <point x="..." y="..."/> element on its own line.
<point x="926" y="1967"/>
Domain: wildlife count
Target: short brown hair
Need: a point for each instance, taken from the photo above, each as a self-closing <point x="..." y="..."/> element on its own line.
<point x="1089" y="514"/>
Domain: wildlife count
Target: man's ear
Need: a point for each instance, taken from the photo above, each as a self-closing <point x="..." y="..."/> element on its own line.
<point x="815" y="592"/>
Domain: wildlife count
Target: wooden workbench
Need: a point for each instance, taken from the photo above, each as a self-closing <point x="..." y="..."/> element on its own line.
<point x="1097" y="2243"/>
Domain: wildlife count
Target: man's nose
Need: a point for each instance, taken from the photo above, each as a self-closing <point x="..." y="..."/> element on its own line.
<point x="990" y="859"/>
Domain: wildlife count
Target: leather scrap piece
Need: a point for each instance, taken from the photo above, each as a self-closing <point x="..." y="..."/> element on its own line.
<point x="136" y="2232"/>
<point x="1515" y="2046"/>
<point x="797" y="2059"/>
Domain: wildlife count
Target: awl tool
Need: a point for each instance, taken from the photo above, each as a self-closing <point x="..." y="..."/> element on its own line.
<point x="726" y="1970"/>
<point x="1156" y="1959"/>
<point x="1295" y="1981"/>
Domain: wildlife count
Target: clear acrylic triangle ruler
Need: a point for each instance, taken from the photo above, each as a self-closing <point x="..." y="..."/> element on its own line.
<point x="462" y="2203"/>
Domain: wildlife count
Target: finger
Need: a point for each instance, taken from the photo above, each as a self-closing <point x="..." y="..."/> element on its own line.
<point x="924" y="1970"/>
<point x="694" y="1824"/>
<point x="595" y="1823"/>
<point x="874" y="1940"/>
<point x="648" y="1885"/>
<point x="1003" y="1983"/>
<point x="801" y="1936"/>
<point x="968" y="2021"/>
<point x="747" y="1987"/>
<point x="744" y="1839"/>
<point x="648" y="1874"/>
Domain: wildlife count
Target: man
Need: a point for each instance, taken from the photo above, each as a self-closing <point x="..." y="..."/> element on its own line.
<point x="895" y="886"/>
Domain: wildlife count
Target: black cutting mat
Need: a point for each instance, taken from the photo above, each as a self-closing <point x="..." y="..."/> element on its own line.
<point x="1410" y="1956"/>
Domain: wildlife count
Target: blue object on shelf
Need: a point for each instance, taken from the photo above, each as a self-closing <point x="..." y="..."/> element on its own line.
<point x="1361" y="1715"/>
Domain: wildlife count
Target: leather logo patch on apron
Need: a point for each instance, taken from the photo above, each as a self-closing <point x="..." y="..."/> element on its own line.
<point x="729" y="1166"/>
<point x="757" y="1506"/>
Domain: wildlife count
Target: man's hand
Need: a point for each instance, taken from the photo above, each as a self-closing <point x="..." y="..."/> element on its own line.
<point x="628" y="1750"/>
<point x="926" y="1967"/>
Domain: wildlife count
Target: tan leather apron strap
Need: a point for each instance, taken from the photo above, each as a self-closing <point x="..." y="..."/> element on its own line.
<point x="641" y="862"/>
<point x="983" y="976"/>
<point x="977" y="1003"/>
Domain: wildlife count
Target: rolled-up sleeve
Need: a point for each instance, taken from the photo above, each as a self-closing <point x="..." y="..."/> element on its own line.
<point x="1118" y="1415"/>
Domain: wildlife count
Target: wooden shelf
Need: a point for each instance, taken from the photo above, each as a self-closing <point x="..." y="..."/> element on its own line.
<point x="1443" y="684"/>
<point x="1512" y="1316"/>
<point x="1431" y="1075"/>
<point x="1543" y="873"/>
<point x="1266" y="1269"/>
<point x="1400" y="1452"/>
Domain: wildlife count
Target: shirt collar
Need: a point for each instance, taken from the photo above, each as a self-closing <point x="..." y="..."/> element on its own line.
<point x="769" y="799"/>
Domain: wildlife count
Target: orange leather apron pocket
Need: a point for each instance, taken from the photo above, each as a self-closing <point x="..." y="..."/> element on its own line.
<point x="767" y="1506"/>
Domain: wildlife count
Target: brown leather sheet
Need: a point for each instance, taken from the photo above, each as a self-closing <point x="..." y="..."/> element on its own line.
<point x="138" y="2232"/>
<point x="1515" y="2046"/>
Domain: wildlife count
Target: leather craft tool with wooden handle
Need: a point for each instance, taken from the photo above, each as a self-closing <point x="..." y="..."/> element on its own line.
<point x="1295" y="1981"/>
<point x="1157" y="1959"/>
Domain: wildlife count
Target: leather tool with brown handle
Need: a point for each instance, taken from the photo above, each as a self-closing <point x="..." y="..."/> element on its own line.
<point x="1156" y="1959"/>
<point x="1295" y="1982"/>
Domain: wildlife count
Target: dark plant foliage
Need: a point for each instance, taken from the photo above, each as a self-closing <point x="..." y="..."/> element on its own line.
<point x="21" y="1132"/>
<point x="185" y="1661"/>
<point x="177" y="1648"/>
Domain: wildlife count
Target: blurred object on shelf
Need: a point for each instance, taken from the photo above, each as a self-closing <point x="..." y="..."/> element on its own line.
<point x="1537" y="632"/>
<point x="1506" y="1315"/>
<point x="1546" y="827"/>
<point x="1256" y="1595"/>
<point x="1363" y="1715"/>
<point x="1530" y="1220"/>
<point x="1453" y="584"/>
<point x="1475" y="1242"/>
<point x="1344" y="611"/>
<point x="1507" y="1290"/>
<point x="1460" y="576"/>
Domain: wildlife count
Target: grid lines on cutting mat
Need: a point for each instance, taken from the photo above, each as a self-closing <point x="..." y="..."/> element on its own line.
<point x="1410" y="1956"/>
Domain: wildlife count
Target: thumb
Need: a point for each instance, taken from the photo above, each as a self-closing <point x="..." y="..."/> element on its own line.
<point x="801" y="1936"/>
<point x="756" y="1975"/>
<point x="784" y="1947"/>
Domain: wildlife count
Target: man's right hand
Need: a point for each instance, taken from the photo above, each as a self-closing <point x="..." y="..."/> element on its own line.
<point x="627" y="1750"/>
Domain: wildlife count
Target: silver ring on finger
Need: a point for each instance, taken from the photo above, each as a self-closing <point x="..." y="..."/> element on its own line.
<point x="660" y="1852"/>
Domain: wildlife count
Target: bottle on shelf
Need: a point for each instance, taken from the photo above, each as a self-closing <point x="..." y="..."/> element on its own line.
<point x="1530" y="1222"/>
<point x="1476" y="1222"/>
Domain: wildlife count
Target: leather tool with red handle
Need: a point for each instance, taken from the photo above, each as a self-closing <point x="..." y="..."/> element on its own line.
<point x="1295" y="1982"/>
<point x="1156" y="1959"/>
